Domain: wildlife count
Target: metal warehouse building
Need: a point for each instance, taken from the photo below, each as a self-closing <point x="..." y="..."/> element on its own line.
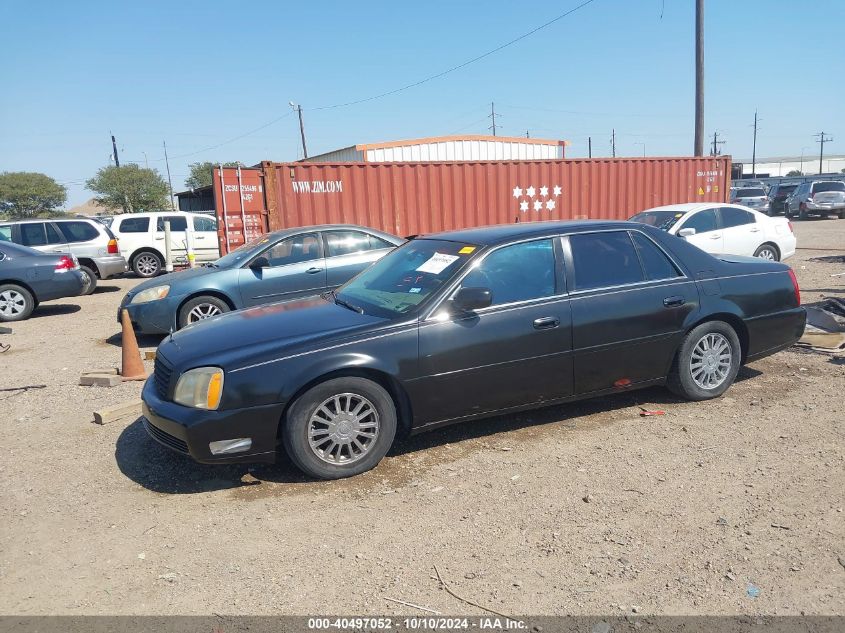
<point x="446" y="148"/>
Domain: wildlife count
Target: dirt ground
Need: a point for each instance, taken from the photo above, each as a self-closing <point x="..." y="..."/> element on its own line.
<point x="580" y="509"/>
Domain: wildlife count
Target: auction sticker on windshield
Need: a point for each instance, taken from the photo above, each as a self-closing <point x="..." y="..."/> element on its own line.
<point x="437" y="263"/>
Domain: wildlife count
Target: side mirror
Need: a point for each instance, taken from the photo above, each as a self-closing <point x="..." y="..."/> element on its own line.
<point x="686" y="232"/>
<point x="259" y="262"/>
<point x="469" y="299"/>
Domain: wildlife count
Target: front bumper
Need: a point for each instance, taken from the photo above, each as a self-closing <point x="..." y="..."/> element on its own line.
<point x="152" y="317"/>
<point x="188" y="431"/>
<point x="110" y="266"/>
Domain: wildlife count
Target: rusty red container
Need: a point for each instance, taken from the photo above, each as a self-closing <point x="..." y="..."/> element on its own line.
<point x="414" y="198"/>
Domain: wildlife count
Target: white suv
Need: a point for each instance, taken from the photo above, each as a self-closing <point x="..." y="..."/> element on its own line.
<point x="141" y="239"/>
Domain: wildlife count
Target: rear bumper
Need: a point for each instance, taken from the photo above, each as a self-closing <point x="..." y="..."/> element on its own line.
<point x="189" y="431"/>
<point x="110" y="266"/>
<point x="832" y="207"/>
<point x="62" y="285"/>
<point x="774" y="332"/>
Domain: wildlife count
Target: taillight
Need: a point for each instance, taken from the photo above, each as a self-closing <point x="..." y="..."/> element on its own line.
<point x="789" y="224"/>
<point x="795" y="287"/>
<point x="112" y="249"/>
<point x="65" y="264"/>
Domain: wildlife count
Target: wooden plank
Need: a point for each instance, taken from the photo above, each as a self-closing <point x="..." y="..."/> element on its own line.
<point x="100" y="380"/>
<point x="107" y="370"/>
<point x="131" y="408"/>
<point x="149" y="354"/>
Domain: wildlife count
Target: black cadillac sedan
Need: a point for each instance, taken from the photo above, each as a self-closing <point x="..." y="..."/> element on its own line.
<point x="463" y="325"/>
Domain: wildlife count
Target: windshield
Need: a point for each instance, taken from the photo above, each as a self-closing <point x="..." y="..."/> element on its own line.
<point x="403" y="279"/>
<point x="828" y="186"/>
<point x="663" y="220"/>
<point x="785" y="189"/>
<point x="750" y="193"/>
<point x="241" y="253"/>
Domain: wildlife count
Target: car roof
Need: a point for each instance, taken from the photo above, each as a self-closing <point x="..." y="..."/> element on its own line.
<point x="330" y="227"/>
<point x="30" y="220"/>
<point x="499" y="233"/>
<point x="686" y="207"/>
<point x="149" y="214"/>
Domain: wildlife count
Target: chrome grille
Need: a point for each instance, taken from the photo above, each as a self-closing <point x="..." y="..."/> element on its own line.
<point x="162" y="374"/>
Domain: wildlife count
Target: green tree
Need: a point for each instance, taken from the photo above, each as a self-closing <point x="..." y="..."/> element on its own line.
<point x="794" y="172"/>
<point x="25" y="194"/>
<point x="129" y="186"/>
<point x="201" y="173"/>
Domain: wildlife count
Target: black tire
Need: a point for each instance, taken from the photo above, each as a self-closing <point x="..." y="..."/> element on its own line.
<point x="16" y="303"/>
<point x="147" y="264"/>
<point x="802" y="212"/>
<point x="681" y="381"/>
<point x="89" y="278"/>
<point x="295" y="429"/>
<point x="842" y="215"/>
<point x="787" y="212"/>
<point x="207" y="306"/>
<point x="763" y="248"/>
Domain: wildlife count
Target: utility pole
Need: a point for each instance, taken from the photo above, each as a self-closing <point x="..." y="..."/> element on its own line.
<point x="169" y="182"/>
<point x="613" y="142"/>
<point x="754" y="149"/>
<point x="526" y="134"/>
<point x="716" y="142"/>
<point x="699" y="78"/>
<point x="298" y="109"/>
<point x="589" y="147"/>
<point x="114" y="151"/>
<point x="492" y="115"/>
<point x="822" y="140"/>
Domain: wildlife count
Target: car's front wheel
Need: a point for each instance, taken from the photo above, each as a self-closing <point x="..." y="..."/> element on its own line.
<point x="706" y="363"/>
<point x="16" y="303"/>
<point x="201" y="308"/>
<point x="767" y="251"/>
<point x="340" y="428"/>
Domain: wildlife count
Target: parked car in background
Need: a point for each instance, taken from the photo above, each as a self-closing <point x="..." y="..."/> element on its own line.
<point x="753" y="197"/>
<point x="29" y="277"/>
<point x="778" y="195"/>
<point x="462" y="325"/>
<point x="749" y="184"/>
<point x="719" y="228"/>
<point x="821" y="197"/>
<point x="284" y="265"/>
<point x="92" y="243"/>
<point x="142" y="239"/>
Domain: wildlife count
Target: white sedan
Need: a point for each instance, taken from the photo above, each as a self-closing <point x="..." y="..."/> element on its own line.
<point x="729" y="229"/>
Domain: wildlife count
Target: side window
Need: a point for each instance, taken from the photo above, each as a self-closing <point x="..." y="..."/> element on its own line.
<point x="53" y="236"/>
<point x="735" y="217"/>
<point x="134" y="225"/>
<point x="655" y="262"/>
<point x="204" y="224"/>
<point x="177" y="223"/>
<point x="516" y="273"/>
<point x="293" y="250"/>
<point x="6" y="233"/>
<point x="79" y="231"/>
<point x="604" y="259"/>
<point x="347" y="242"/>
<point x="32" y="234"/>
<point x="702" y="222"/>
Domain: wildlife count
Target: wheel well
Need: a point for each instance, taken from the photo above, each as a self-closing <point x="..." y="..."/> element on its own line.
<point x="89" y="263"/>
<point x="400" y="398"/>
<point x="735" y="322"/>
<point x="206" y="293"/>
<point x="16" y="282"/>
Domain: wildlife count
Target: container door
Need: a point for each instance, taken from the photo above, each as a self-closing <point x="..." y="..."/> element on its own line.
<point x="296" y="268"/>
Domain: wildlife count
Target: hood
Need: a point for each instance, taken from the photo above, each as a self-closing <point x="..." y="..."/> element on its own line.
<point x="252" y="335"/>
<point x="173" y="278"/>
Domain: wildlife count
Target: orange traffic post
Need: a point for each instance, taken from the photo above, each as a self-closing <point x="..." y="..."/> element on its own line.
<point x="131" y="366"/>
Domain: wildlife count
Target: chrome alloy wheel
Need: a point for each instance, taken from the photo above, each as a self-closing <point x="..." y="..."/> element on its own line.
<point x="343" y="428"/>
<point x="147" y="265"/>
<point x="12" y="303"/>
<point x="203" y="311"/>
<point x="710" y="362"/>
<point x="767" y="253"/>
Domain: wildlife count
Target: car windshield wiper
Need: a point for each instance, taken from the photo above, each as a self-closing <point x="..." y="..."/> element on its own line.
<point x="344" y="303"/>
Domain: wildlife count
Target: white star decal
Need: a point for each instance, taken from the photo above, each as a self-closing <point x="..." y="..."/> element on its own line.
<point x="557" y="190"/>
<point x="517" y="192"/>
<point x="544" y="191"/>
<point x="550" y="204"/>
<point x="538" y="204"/>
<point x="523" y="206"/>
<point x="529" y="192"/>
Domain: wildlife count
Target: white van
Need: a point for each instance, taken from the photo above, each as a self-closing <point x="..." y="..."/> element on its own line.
<point x="141" y="239"/>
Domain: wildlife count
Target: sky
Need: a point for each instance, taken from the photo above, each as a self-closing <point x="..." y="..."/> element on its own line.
<point x="214" y="79"/>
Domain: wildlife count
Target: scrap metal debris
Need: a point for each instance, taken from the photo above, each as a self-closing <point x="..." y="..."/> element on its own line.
<point x="825" y="331"/>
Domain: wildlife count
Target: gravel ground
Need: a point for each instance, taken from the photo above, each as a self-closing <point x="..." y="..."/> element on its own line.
<point x="585" y="508"/>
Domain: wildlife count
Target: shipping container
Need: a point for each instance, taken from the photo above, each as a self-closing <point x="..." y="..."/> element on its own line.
<point x="415" y="198"/>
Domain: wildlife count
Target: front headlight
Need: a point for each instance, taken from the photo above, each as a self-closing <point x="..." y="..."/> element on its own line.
<point x="151" y="294"/>
<point x="200" y="388"/>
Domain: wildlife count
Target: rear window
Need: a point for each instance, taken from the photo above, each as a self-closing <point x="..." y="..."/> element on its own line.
<point x="78" y="231"/>
<point x="606" y="259"/>
<point x="750" y="193"/>
<point x="828" y="186"/>
<point x="6" y="233"/>
<point x="133" y="225"/>
<point x="784" y="189"/>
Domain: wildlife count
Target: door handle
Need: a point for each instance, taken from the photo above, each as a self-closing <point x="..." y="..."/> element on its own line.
<point x="716" y="236"/>
<point x="755" y="230"/>
<point x="545" y="323"/>
<point x="670" y="302"/>
<point x="313" y="270"/>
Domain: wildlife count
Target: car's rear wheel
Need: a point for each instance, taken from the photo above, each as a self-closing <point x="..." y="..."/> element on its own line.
<point x="706" y="363"/>
<point x="147" y="264"/>
<point x="89" y="280"/>
<point x="340" y="428"/>
<point x="842" y="215"/>
<point x="201" y="308"/>
<point x="16" y="303"/>
<point x="802" y="212"/>
<point x="767" y="251"/>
